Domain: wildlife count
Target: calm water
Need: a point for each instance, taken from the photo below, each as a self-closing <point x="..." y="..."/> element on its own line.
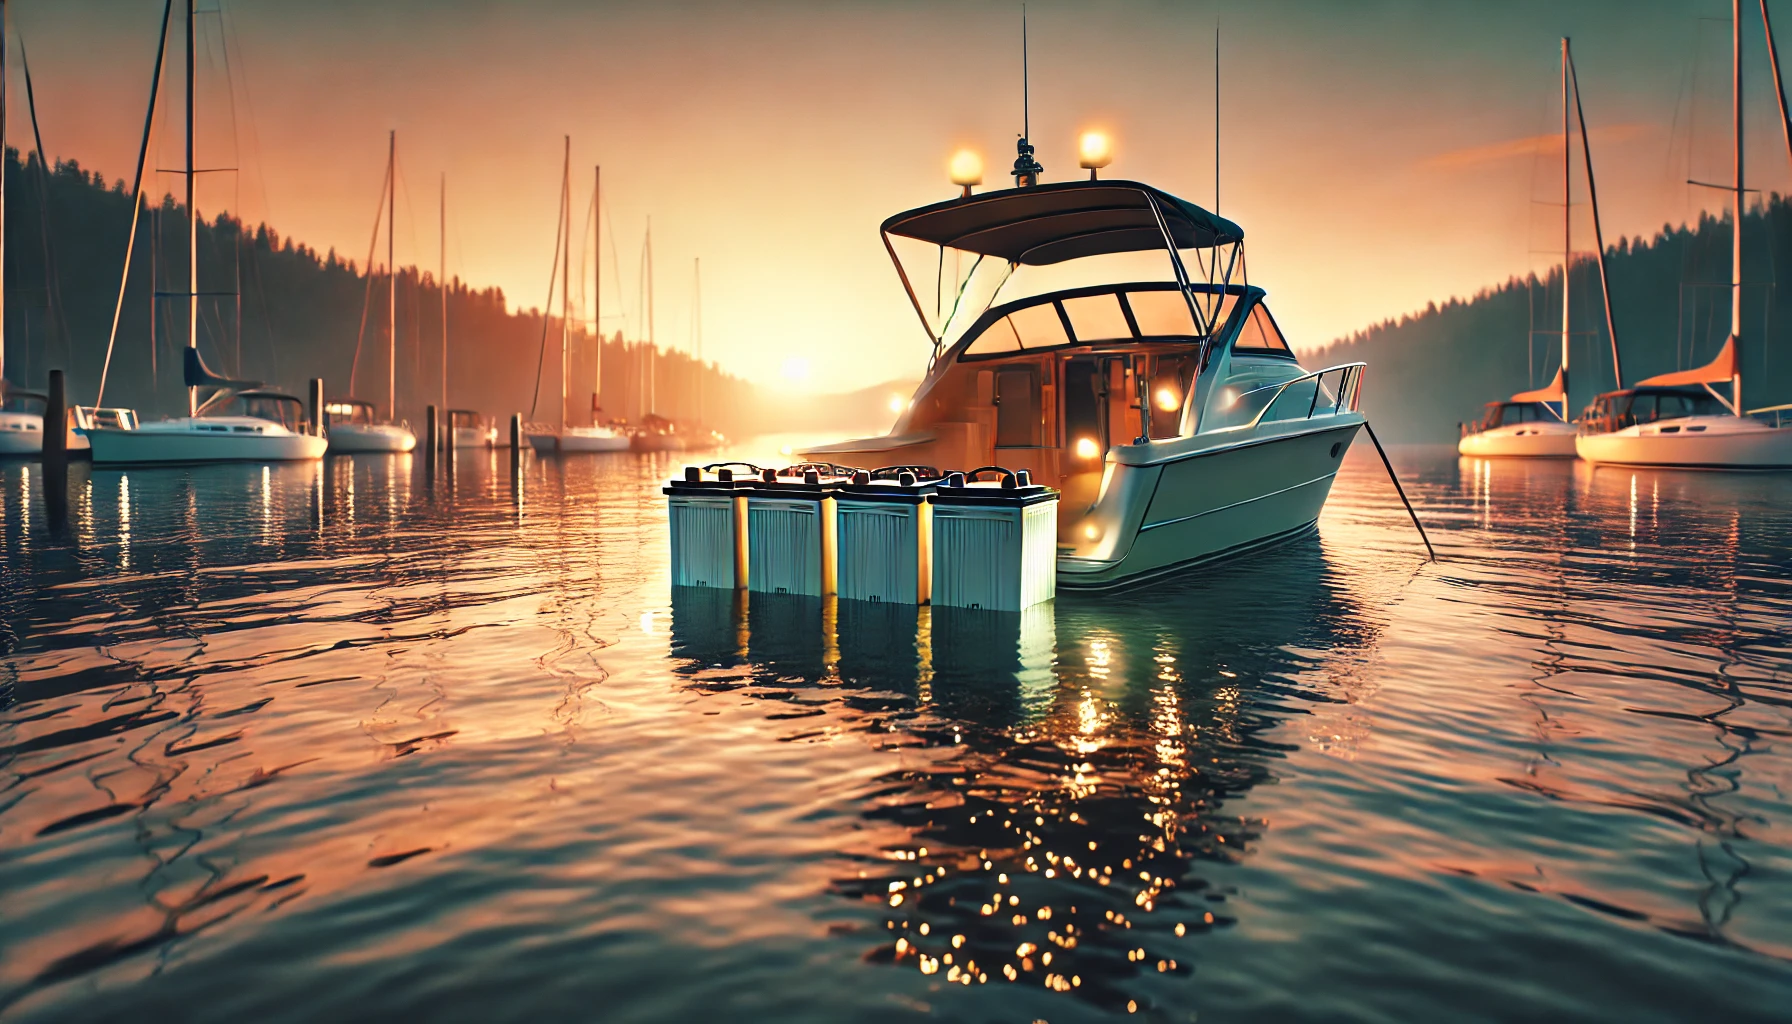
<point x="344" y="742"/>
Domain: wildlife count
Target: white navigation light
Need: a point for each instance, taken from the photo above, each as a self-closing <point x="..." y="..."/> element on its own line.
<point x="966" y="169"/>
<point x="1086" y="448"/>
<point x="1094" y="152"/>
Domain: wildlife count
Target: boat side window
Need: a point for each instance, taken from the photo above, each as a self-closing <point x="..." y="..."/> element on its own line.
<point x="1034" y="327"/>
<point x="1674" y="406"/>
<point x="1099" y="318"/>
<point x="1260" y="336"/>
<point x="1160" y="314"/>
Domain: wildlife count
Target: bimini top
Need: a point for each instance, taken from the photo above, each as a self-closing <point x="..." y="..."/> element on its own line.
<point x="1068" y="220"/>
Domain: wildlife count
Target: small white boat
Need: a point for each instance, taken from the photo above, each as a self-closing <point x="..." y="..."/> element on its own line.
<point x="352" y="428"/>
<point x="1535" y="424"/>
<point x="468" y="429"/>
<point x="1171" y="413"/>
<point x="575" y="440"/>
<point x="269" y="429"/>
<point x="21" y="422"/>
<point x="1679" y="419"/>
<point x="1527" y="425"/>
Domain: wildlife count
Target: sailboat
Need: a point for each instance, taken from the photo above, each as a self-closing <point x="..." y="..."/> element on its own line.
<point x="1534" y="424"/>
<point x="653" y="433"/>
<point x="21" y="412"/>
<point x="354" y="423"/>
<point x="239" y="420"/>
<point x="567" y="438"/>
<point x="1679" y="419"/>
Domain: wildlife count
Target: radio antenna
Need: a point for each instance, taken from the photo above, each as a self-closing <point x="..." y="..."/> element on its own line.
<point x="1026" y="169"/>
<point x="1216" y="115"/>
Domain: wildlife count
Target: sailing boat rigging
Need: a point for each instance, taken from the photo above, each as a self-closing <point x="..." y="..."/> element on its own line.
<point x="21" y="412"/>
<point x="354" y="422"/>
<point x="1679" y="419"/>
<point x="266" y="425"/>
<point x="1534" y="424"/>
<point x="566" y="438"/>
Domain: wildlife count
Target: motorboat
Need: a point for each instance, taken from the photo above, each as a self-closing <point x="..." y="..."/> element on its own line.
<point x="239" y="422"/>
<point x="1680" y="419"/>
<point x="352" y="427"/>
<point x="1091" y="333"/>
<point x="1535" y="424"/>
<point x="21" y="422"/>
<point x="571" y="440"/>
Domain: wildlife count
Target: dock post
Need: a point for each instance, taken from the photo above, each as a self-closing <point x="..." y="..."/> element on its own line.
<point x="55" y="453"/>
<point x="516" y="438"/>
<point x="56" y="421"/>
<point x="316" y="398"/>
<point x="431" y="438"/>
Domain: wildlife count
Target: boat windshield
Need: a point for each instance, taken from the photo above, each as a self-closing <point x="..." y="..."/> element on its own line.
<point x="1501" y="414"/>
<point x="23" y="401"/>
<point x="1627" y="408"/>
<point x="282" y="409"/>
<point x="956" y="288"/>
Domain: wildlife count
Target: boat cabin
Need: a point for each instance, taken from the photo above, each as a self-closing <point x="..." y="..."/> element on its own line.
<point x="1616" y="410"/>
<point x="351" y="411"/>
<point x="1505" y="414"/>
<point x="273" y="406"/>
<point x="1073" y="318"/>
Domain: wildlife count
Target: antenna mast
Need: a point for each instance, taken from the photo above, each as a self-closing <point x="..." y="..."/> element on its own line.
<point x="1216" y="115"/>
<point x="1026" y="169"/>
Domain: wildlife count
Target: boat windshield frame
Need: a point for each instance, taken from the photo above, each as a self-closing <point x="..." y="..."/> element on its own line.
<point x="1246" y="299"/>
<point x="1045" y="225"/>
<point x="281" y="400"/>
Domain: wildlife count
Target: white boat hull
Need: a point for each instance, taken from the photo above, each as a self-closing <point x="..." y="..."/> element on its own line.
<point x="575" y="440"/>
<point x="1166" y="514"/>
<point x="1695" y="442"/>
<point x="241" y="439"/>
<point x="475" y="437"/>
<point x="1522" y="441"/>
<point x="21" y="433"/>
<point x="374" y="437"/>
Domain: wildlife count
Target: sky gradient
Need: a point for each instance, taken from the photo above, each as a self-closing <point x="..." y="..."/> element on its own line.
<point x="1379" y="155"/>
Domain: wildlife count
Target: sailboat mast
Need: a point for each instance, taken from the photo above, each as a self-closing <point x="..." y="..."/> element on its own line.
<point x="597" y="289"/>
<point x="1736" y="232"/>
<point x="1605" y="287"/>
<point x="442" y="282"/>
<point x="391" y="276"/>
<point x="3" y="193"/>
<point x="192" y="220"/>
<point x="1567" y="225"/>
<point x="565" y="269"/>
<point x="652" y="350"/>
<point x="697" y="273"/>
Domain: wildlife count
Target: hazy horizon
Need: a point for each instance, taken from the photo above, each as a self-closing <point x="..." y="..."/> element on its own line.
<point x="1403" y="142"/>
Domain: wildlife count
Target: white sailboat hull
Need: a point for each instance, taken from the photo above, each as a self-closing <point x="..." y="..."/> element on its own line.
<point x="1694" y="442"/>
<point x="579" y="440"/>
<point x="1522" y="441"/>
<point x="21" y="433"/>
<point x="370" y="437"/>
<point x="204" y="439"/>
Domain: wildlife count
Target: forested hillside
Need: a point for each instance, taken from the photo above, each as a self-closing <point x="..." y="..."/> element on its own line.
<point x="285" y="313"/>
<point x="1671" y="306"/>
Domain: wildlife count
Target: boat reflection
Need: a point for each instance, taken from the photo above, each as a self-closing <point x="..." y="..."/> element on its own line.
<point x="1069" y="770"/>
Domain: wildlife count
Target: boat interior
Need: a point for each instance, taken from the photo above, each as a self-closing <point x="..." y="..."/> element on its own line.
<point x="1616" y="410"/>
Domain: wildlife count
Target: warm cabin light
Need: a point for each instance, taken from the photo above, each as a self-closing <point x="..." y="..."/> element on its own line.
<point x="339" y="409"/>
<point x="1094" y="152"/>
<point x="1086" y="448"/>
<point x="896" y="403"/>
<point x="966" y="169"/>
<point x="1167" y="400"/>
<point x="1092" y="532"/>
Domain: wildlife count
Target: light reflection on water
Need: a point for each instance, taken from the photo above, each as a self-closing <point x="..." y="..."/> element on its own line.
<point x="359" y="740"/>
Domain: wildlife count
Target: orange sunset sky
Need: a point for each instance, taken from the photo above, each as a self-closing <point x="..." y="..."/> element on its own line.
<point x="1379" y="154"/>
